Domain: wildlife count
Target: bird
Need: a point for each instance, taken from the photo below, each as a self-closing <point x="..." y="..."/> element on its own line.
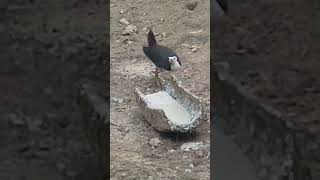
<point x="162" y="57"/>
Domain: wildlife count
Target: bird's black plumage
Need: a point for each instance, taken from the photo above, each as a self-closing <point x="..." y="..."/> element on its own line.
<point x="158" y="54"/>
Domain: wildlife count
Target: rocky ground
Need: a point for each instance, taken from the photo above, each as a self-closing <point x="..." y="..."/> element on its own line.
<point x="272" y="48"/>
<point x="47" y="48"/>
<point x="137" y="150"/>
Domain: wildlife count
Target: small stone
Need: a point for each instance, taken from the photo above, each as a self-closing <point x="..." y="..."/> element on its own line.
<point x="194" y="49"/>
<point x="34" y="124"/>
<point x="162" y="19"/>
<point x="171" y="150"/>
<point x="15" y="120"/>
<point x="191" y="166"/>
<point x="122" y="11"/>
<point x="192" y="146"/>
<point x="144" y="14"/>
<point x="130" y="42"/>
<point x="126" y="130"/>
<point x="188" y="170"/>
<point x="130" y="29"/>
<point x="118" y="40"/>
<point x="124" y="21"/>
<point x="145" y="29"/>
<point x="192" y="5"/>
<point x="116" y="99"/>
<point x="164" y="34"/>
<point x="155" y="142"/>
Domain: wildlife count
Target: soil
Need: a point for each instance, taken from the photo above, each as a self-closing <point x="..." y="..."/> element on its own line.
<point x="47" y="48"/>
<point x="273" y="51"/>
<point x="133" y="153"/>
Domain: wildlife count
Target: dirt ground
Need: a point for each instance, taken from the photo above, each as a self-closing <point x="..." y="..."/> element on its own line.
<point x="132" y="154"/>
<point x="47" y="48"/>
<point x="273" y="50"/>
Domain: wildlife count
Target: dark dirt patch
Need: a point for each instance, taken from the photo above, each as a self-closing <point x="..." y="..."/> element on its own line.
<point x="48" y="48"/>
<point x="273" y="50"/>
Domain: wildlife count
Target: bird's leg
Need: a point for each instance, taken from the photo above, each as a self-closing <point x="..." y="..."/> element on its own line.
<point x="157" y="75"/>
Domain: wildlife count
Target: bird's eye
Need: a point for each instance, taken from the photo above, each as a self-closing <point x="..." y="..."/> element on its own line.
<point x="174" y="58"/>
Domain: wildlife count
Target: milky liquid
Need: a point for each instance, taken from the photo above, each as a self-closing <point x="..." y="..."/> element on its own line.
<point x="175" y="112"/>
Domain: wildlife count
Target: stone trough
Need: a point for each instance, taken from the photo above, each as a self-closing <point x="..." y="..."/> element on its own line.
<point x="170" y="110"/>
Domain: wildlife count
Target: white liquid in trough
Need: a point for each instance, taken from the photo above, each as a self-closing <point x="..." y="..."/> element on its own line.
<point x="175" y="112"/>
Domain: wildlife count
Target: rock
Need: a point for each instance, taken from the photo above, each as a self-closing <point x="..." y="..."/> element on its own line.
<point x="15" y="120"/>
<point x="34" y="124"/>
<point x="192" y="146"/>
<point x="116" y="99"/>
<point x="130" y="29"/>
<point x="164" y="34"/>
<point x="192" y="5"/>
<point x="188" y="170"/>
<point x="155" y="142"/>
<point x="171" y="150"/>
<point x="194" y="48"/>
<point x="191" y="166"/>
<point x="122" y="11"/>
<point x="124" y="21"/>
<point x="144" y="14"/>
<point x="162" y="19"/>
<point x="145" y="29"/>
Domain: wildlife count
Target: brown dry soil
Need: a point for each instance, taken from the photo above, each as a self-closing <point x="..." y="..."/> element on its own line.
<point x="273" y="51"/>
<point x="47" y="47"/>
<point x="132" y="156"/>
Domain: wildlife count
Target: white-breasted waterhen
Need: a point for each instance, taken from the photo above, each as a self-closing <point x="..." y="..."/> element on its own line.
<point x="162" y="57"/>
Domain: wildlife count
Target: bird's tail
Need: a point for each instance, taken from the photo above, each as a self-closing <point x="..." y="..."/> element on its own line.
<point x="151" y="39"/>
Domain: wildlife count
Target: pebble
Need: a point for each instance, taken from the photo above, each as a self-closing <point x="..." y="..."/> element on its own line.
<point x="191" y="166"/>
<point x="15" y="120"/>
<point x="164" y="34"/>
<point x="194" y="48"/>
<point x="130" y="29"/>
<point x="171" y="150"/>
<point x="145" y="29"/>
<point x="34" y="124"/>
<point x="155" y="142"/>
<point x="124" y="21"/>
<point x="188" y="170"/>
<point x="192" y="146"/>
<point x="192" y="5"/>
<point x="122" y="11"/>
<point x="116" y="99"/>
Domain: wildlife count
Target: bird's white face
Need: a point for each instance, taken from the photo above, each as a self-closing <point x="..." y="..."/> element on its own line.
<point x="174" y="63"/>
